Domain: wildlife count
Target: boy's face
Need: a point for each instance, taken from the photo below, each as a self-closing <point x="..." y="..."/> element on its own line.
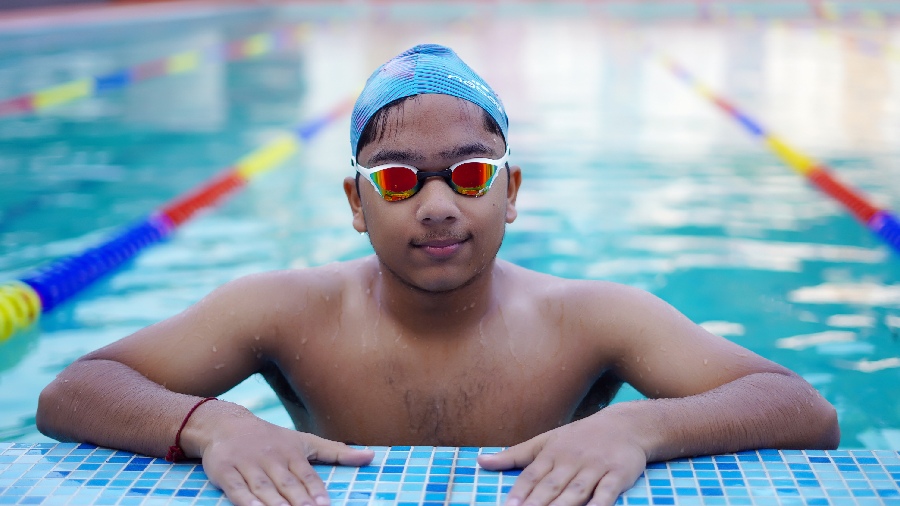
<point x="436" y="240"/>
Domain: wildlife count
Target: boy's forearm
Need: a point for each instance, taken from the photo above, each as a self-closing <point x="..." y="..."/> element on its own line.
<point x="764" y="410"/>
<point x="109" y="404"/>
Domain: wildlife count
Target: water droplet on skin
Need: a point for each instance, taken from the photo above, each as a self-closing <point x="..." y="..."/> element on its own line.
<point x="215" y="349"/>
<point x="297" y="357"/>
<point x="327" y="298"/>
<point x="563" y="368"/>
<point x="705" y="361"/>
<point x="219" y="366"/>
<point x="303" y="341"/>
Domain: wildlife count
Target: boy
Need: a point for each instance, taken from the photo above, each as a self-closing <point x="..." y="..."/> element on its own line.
<point x="432" y="341"/>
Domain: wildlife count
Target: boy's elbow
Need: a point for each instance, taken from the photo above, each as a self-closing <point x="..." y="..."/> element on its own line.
<point x="48" y="411"/>
<point x="817" y="428"/>
<point x="42" y="417"/>
<point x="830" y="431"/>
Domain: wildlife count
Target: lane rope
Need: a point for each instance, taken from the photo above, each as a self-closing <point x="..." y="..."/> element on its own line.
<point x="881" y="222"/>
<point x="41" y="290"/>
<point x="254" y="46"/>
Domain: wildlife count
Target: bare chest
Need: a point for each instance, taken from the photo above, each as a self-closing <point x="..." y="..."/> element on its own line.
<point x="472" y="392"/>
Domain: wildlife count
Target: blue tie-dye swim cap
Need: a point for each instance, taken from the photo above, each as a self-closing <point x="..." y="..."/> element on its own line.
<point x="426" y="68"/>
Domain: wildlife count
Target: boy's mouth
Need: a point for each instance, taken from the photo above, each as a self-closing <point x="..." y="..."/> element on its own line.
<point x="441" y="247"/>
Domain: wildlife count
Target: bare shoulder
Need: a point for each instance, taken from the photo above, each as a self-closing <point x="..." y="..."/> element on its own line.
<point x="306" y="297"/>
<point x="593" y="316"/>
<point x="645" y="340"/>
<point x="235" y="330"/>
<point x="297" y="288"/>
<point x="602" y="302"/>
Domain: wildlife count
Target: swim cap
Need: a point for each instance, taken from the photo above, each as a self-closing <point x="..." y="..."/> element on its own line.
<point x="426" y="68"/>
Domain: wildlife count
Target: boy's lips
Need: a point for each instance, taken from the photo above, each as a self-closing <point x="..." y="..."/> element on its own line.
<point x="440" y="247"/>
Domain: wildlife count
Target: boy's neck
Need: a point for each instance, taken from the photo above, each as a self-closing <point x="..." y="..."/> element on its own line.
<point x="425" y="312"/>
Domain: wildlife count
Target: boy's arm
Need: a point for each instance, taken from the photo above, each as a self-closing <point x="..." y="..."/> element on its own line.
<point x="707" y="396"/>
<point x="135" y="393"/>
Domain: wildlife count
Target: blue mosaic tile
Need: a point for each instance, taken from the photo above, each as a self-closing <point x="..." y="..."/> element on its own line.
<point x="45" y="473"/>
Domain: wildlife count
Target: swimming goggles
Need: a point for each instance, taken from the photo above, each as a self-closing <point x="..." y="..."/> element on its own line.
<point x="396" y="181"/>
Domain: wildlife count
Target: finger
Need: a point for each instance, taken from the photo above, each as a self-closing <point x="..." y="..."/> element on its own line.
<point x="580" y="487"/>
<point x="333" y="452"/>
<point x="609" y="488"/>
<point x="517" y="456"/>
<point x="236" y="488"/>
<point x="311" y="480"/>
<point x="293" y="487"/>
<point x="262" y="486"/>
<point x="551" y="485"/>
<point x="526" y="481"/>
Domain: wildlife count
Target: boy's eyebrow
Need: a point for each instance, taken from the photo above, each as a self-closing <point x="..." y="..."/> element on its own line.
<point x="413" y="157"/>
<point x="475" y="148"/>
<point x="395" y="155"/>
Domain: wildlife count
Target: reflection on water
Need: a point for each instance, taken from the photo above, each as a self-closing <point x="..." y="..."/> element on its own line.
<point x="872" y="365"/>
<point x="724" y="329"/>
<point x="807" y="340"/>
<point x="862" y="293"/>
<point x="850" y="320"/>
<point x="628" y="176"/>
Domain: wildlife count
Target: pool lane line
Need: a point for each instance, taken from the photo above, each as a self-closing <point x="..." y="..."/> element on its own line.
<point x="881" y="222"/>
<point x="41" y="290"/>
<point x="179" y="63"/>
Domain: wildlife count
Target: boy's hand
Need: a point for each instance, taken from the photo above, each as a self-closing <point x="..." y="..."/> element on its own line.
<point x="256" y="463"/>
<point x="589" y="461"/>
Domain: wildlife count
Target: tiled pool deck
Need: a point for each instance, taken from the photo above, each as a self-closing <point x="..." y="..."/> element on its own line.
<point x="50" y="473"/>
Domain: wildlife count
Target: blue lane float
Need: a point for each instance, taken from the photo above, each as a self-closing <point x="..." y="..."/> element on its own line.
<point x="56" y="282"/>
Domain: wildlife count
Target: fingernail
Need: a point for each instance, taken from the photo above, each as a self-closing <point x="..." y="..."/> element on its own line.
<point x="512" y="502"/>
<point x="321" y="500"/>
<point x="256" y="502"/>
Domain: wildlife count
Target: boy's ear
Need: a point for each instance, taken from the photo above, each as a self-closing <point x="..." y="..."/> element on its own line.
<point x="353" y="198"/>
<point x="512" y="191"/>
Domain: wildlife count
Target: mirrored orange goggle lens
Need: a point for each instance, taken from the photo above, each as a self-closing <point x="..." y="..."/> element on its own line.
<point x="395" y="179"/>
<point x="471" y="177"/>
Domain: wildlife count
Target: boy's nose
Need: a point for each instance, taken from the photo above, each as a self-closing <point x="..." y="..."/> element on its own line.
<point x="437" y="202"/>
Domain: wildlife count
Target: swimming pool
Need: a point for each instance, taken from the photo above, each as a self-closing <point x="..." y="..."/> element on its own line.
<point x="628" y="175"/>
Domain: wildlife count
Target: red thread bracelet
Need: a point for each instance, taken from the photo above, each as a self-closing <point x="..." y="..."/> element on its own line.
<point x="176" y="453"/>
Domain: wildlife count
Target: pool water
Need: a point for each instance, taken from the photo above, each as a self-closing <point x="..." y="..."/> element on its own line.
<point x="629" y="175"/>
